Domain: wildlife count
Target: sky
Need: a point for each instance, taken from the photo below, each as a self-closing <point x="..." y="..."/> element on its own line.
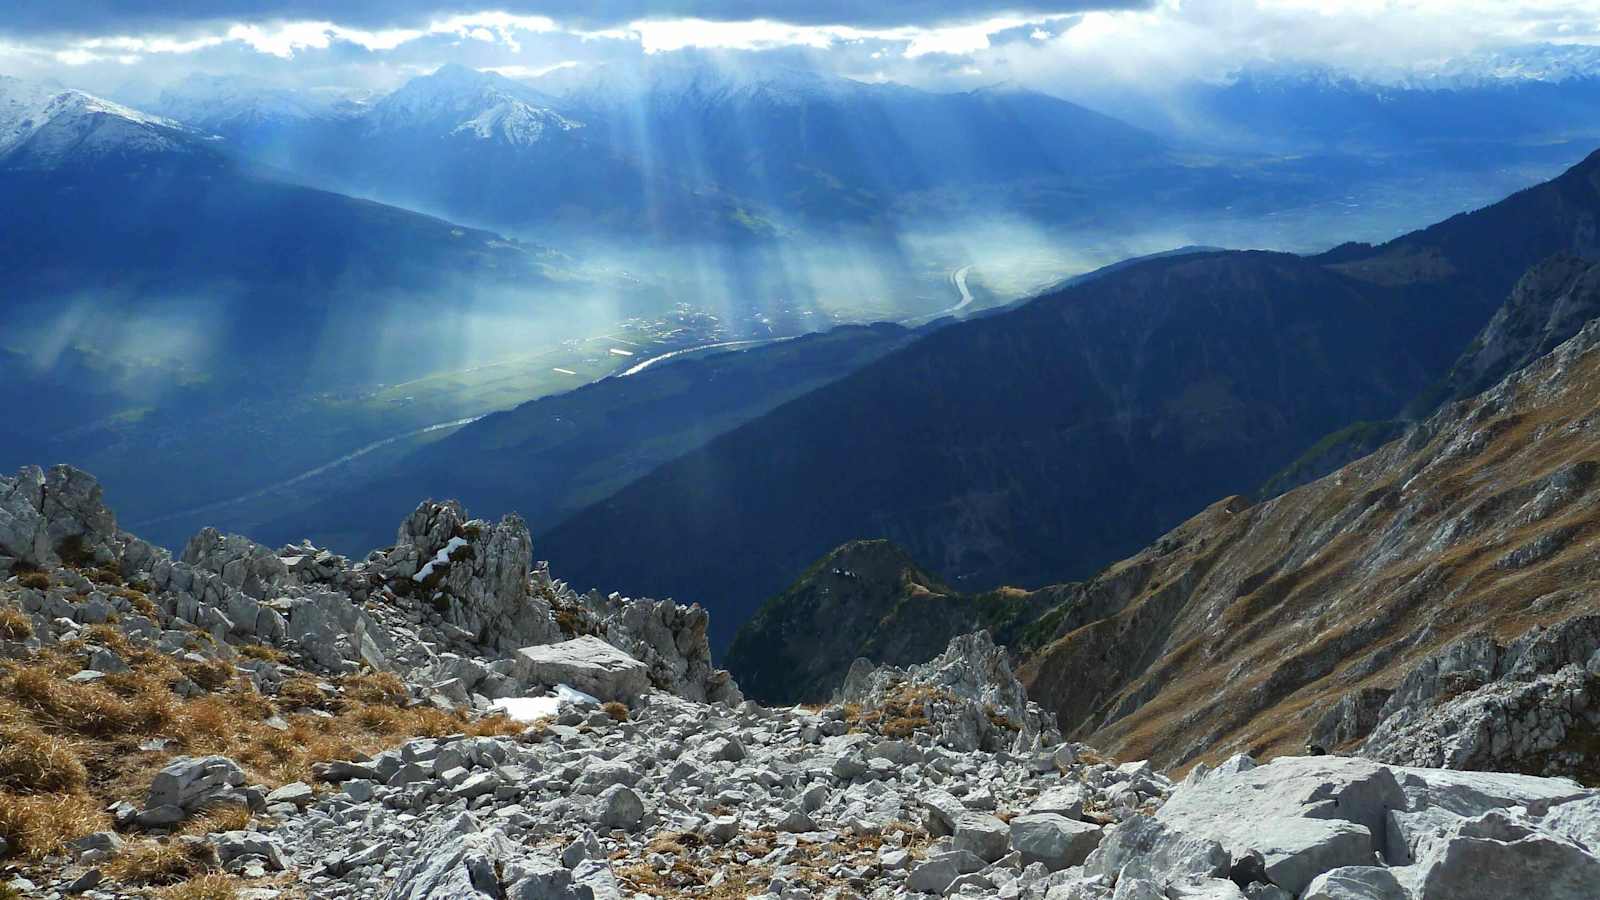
<point x="1073" y="48"/>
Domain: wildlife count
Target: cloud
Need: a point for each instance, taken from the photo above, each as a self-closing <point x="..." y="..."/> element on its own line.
<point x="1094" y="51"/>
<point x="92" y="17"/>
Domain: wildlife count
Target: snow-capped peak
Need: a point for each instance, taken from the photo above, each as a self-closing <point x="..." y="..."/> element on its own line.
<point x="46" y="125"/>
<point x="461" y="101"/>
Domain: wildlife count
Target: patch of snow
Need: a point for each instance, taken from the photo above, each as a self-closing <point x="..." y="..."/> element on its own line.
<point x="442" y="558"/>
<point x="527" y="709"/>
<point x="532" y="709"/>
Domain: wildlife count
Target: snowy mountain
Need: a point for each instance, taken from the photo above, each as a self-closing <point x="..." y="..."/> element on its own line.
<point x="47" y="127"/>
<point x="456" y="100"/>
<point x="224" y="103"/>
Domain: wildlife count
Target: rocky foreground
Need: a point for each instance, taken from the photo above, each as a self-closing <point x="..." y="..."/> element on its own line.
<point x="445" y="720"/>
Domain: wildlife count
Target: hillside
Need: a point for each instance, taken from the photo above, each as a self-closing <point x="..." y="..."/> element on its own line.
<point x="547" y="458"/>
<point x="1481" y="521"/>
<point x="980" y="449"/>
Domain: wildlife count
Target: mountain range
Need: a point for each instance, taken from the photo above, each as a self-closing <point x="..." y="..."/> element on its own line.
<point x="677" y="151"/>
<point x="982" y="449"/>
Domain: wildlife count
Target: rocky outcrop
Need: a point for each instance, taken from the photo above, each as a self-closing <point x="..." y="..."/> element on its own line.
<point x="1328" y="827"/>
<point x="670" y="639"/>
<point x="1531" y="705"/>
<point x="473" y="573"/>
<point x="447" y="607"/>
<point x="866" y="599"/>
<point x="968" y="693"/>
<point x="47" y="518"/>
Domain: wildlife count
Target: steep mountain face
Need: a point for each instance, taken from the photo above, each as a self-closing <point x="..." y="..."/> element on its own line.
<point x="1302" y="616"/>
<point x="1037" y="445"/>
<point x="550" y="457"/>
<point x="866" y="599"/>
<point x="1548" y="306"/>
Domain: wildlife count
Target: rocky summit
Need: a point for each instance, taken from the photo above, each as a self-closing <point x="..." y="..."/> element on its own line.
<point x="444" y="719"/>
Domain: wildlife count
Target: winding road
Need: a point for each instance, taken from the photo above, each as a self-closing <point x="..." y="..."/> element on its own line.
<point x="958" y="279"/>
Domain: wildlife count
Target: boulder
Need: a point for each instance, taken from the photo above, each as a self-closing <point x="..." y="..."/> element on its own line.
<point x="457" y="860"/>
<point x="933" y="876"/>
<point x="1062" y="800"/>
<point x="1144" y="847"/>
<point x="983" y="835"/>
<point x="619" y="807"/>
<point x="1470" y="867"/>
<point x="1577" y="821"/>
<point x="1054" y="840"/>
<point x="1356" y="883"/>
<point x="1301" y="815"/>
<point x="586" y="663"/>
<point x="189" y="783"/>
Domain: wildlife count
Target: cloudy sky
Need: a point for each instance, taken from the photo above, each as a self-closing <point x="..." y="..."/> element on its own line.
<point x="1067" y="47"/>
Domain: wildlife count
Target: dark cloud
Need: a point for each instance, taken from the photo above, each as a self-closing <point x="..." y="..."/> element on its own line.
<point x="98" y="17"/>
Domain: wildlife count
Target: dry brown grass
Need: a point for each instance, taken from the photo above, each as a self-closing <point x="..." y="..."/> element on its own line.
<point x="42" y="824"/>
<point x="15" y="624"/>
<point x="140" y="601"/>
<point x="904" y="712"/>
<point x="68" y="750"/>
<point x="39" y="581"/>
<point x="162" y="862"/>
<point x="376" y="687"/>
<point x="262" y="652"/>
<point x="34" y="761"/>
<point x="206" y="887"/>
<point x="224" y="817"/>
<point x="302" y="691"/>
<point x="211" y="674"/>
<point x="85" y="709"/>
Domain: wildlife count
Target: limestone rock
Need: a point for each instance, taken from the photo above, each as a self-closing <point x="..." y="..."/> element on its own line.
<point x="1054" y="840"/>
<point x="1303" y="816"/>
<point x="587" y="664"/>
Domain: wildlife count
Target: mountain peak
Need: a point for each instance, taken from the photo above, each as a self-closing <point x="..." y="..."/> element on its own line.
<point x="46" y="126"/>
<point x="458" y="100"/>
